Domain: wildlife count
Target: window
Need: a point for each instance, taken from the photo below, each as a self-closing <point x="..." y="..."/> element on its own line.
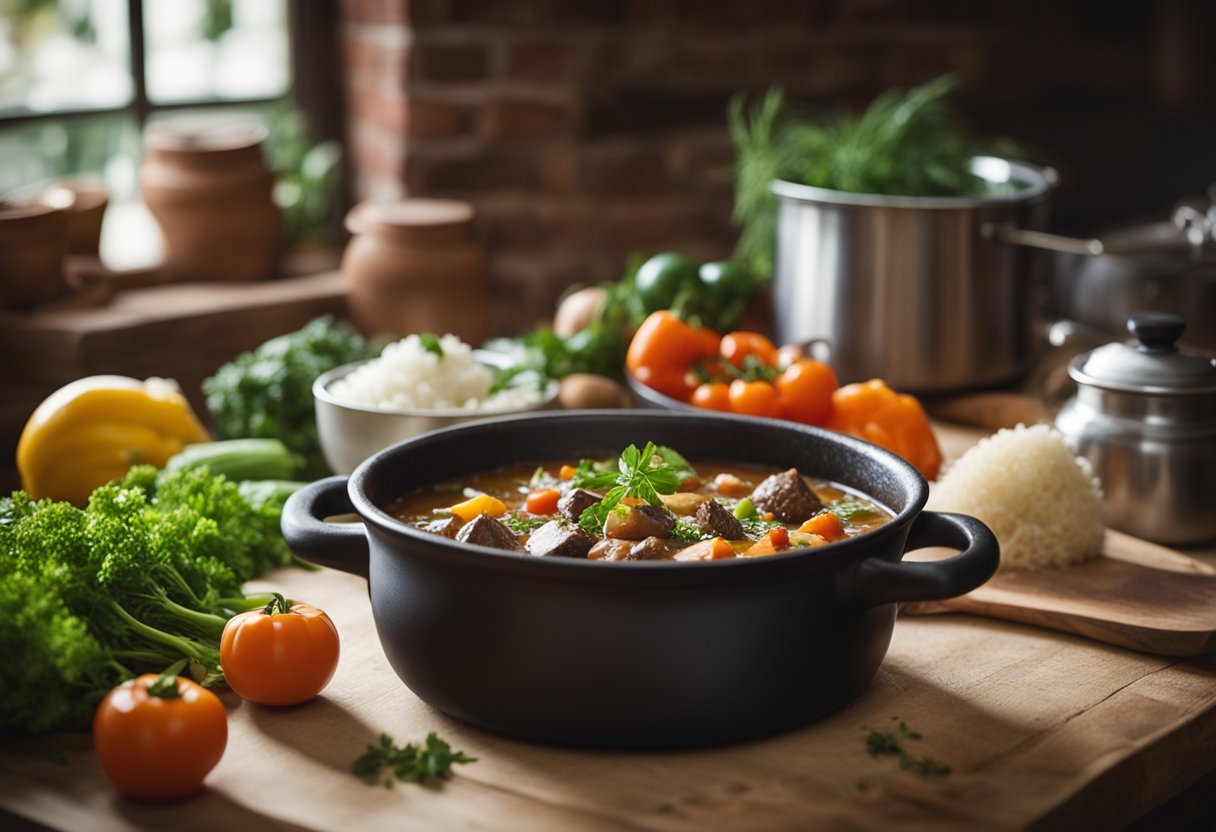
<point x="79" y="79"/>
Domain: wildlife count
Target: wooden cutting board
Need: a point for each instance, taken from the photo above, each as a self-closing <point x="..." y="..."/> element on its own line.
<point x="1136" y="594"/>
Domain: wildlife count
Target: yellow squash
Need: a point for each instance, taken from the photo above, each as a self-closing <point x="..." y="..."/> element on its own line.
<point x="92" y="430"/>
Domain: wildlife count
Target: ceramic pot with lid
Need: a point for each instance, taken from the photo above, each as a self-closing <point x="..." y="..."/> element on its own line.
<point x="416" y="265"/>
<point x="1145" y="417"/>
<point x="208" y="186"/>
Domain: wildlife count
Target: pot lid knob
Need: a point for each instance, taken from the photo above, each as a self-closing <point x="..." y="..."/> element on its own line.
<point x="1152" y="365"/>
<point x="1156" y="331"/>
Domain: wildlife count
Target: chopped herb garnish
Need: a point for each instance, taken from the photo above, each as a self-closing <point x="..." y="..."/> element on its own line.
<point x="521" y="525"/>
<point x="430" y="343"/>
<point x="888" y="744"/>
<point x="758" y="527"/>
<point x="687" y="532"/>
<point x="643" y="475"/>
<point x="383" y="762"/>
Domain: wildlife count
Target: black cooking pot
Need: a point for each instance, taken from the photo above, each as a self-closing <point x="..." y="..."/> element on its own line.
<point x="656" y="654"/>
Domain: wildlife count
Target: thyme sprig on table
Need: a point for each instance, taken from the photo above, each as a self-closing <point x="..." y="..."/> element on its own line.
<point x="384" y="761"/>
<point x="891" y="744"/>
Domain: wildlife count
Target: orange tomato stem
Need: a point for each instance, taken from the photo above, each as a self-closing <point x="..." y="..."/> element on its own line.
<point x="165" y="686"/>
<point x="278" y="605"/>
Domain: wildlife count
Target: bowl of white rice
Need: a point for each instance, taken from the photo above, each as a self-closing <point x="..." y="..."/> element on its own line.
<point x="417" y="384"/>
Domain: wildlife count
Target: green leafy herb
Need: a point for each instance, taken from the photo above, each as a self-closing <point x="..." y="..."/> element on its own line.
<point x="430" y="342"/>
<point x="384" y="761"/>
<point x="147" y="575"/>
<point x="268" y="392"/>
<point x="891" y="744"/>
<point x="907" y="143"/>
<point x="643" y="475"/>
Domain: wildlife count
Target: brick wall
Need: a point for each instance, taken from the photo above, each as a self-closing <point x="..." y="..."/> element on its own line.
<point x="584" y="130"/>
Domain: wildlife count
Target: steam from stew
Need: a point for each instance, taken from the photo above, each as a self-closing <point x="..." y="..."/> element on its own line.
<point x="650" y="504"/>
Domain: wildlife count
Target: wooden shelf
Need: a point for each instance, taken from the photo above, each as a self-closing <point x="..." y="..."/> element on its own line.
<point x="183" y="331"/>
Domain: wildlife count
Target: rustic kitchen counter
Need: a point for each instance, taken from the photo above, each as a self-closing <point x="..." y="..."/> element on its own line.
<point x="1042" y="730"/>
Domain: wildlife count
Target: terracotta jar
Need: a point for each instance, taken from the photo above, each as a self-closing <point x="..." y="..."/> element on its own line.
<point x="208" y="186"/>
<point x="33" y="242"/>
<point x="417" y="266"/>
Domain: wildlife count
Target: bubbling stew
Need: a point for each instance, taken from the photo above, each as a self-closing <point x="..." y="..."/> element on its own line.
<point x="650" y="504"/>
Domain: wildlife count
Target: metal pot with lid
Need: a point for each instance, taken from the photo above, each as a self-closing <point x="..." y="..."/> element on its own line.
<point x="1145" y="417"/>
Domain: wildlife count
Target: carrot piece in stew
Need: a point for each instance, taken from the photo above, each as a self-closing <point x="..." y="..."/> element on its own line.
<point x="826" y="525"/>
<point x="566" y="472"/>
<point x="714" y="549"/>
<point x="774" y="541"/>
<point x="542" y="501"/>
<point x="481" y="504"/>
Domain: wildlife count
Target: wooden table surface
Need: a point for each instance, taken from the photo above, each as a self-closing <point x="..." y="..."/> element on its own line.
<point x="1042" y="730"/>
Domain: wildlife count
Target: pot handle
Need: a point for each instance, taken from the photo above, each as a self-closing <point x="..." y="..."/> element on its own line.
<point x="340" y="546"/>
<point x="884" y="582"/>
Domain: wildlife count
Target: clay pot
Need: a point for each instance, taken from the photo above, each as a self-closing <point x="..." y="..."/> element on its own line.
<point x="33" y="242"/>
<point x="417" y="266"/>
<point x="84" y="201"/>
<point x="208" y="186"/>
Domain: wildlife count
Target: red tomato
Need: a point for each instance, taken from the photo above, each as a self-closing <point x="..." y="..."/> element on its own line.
<point x="279" y="655"/>
<point x="159" y="745"/>
<point x="712" y="396"/>
<point x="754" y="398"/>
<point x="806" y="389"/>
<point x="737" y="346"/>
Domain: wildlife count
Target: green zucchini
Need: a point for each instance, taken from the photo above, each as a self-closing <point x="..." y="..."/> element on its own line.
<point x="239" y="459"/>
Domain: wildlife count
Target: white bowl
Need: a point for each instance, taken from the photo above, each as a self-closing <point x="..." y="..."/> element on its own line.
<point x="349" y="433"/>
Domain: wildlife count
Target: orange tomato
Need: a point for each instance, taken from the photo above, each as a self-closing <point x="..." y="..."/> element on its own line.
<point x="737" y="346"/>
<point x="754" y="398"/>
<point x="159" y="744"/>
<point x="542" y="501"/>
<point x="279" y="655"/>
<point x="662" y="349"/>
<point x="805" y="389"/>
<point x="872" y="411"/>
<point x="713" y="395"/>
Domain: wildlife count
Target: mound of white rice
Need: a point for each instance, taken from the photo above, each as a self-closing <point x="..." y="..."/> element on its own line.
<point x="1043" y="504"/>
<point x="408" y="376"/>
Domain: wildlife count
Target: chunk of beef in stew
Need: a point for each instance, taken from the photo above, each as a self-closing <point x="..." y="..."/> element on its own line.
<point x="713" y="518"/>
<point x="447" y="527"/>
<point x="577" y="501"/>
<point x="652" y="548"/>
<point x="557" y="539"/>
<point x="788" y="497"/>
<point x="484" y="530"/>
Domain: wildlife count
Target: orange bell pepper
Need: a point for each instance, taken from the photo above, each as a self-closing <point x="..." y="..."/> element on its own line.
<point x="663" y="348"/>
<point x="873" y="411"/>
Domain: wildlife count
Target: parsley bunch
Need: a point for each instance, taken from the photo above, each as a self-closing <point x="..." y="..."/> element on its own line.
<point x="410" y="764"/>
<point x="643" y="475"/>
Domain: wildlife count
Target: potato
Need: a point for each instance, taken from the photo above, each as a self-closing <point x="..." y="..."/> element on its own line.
<point x="581" y="391"/>
<point x="578" y="310"/>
